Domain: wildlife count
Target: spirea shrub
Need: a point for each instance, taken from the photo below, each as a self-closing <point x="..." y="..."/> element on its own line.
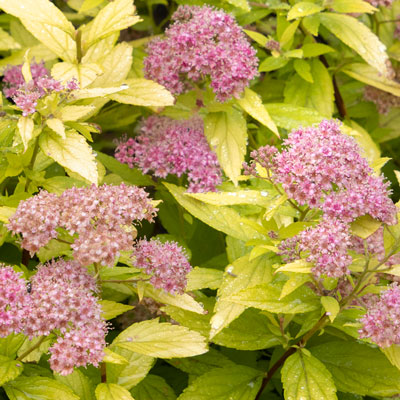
<point x="199" y="201"/>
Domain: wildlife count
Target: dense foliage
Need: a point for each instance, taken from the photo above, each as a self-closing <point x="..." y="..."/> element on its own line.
<point x="193" y="199"/>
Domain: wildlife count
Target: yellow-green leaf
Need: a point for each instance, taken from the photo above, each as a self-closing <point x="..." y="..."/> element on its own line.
<point x="294" y="282"/>
<point x="7" y="42"/>
<point x="288" y="34"/>
<point x="25" y="129"/>
<point x="9" y="369"/>
<point x="116" y="16"/>
<point x="57" y="126"/>
<point x="303" y="68"/>
<point x="72" y="153"/>
<point x="200" y="278"/>
<point x="300" y="266"/>
<point x="303" y="9"/>
<point x="89" y="4"/>
<point x="304" y="377"/>
<point x="257" y="37"/>
<point x="359" y="37"/>
<point x="226" y="133"/>
<point x="243" y="4"/>
<point x="352" y="6"/>
<point x="162" y="340"/>
<point x="393" y="354"/>
<point x="365" y="226"/>
<point x="75" y="113"/>
<point x="251" y="103"/>
<point x="112" y="391"/>
<point x="143" y="92"/>
<point x="372" y="77"/>
<point x="110" y="309"/>
<point x="89" y="93"/>
<point x="331" y="307"/>
<point x="79" y="383"/>
<point x="85" y="74"/>
<point x="111" y="357"/>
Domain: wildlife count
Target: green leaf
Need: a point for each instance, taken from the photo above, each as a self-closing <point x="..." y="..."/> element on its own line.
<point x="7" y="42"/>
<point x="235" y="383"/>
<point x="201" y="278"/>
<point x="346" y="363"/>
<point x="317" y="95"/>
<point x="312" y="23"/>
<point x="57" y="126"/>
<point x="316" y="49"/>
<point x="257" y="37"/>
<point x="112" y="357"/>
<point x="221" y="218"/>
<point x="295" y="281"/>
<point x="266" y="297"/>
<point x="331" y="307"/>
<point x="226" y="133"/>
<point x="153" y="387"/>
<point x="47" y="23"/>
<point x="10" y="345"/>
<point x="162" y="340"/>
<point x="353" y="6"/>
<point x="299" y="266"/>
<point x="85" y="74"/>
<point x="131" y="175"/>
<point x="110" y="309"/>
<point x="25" y="129"/>
<point x="364" y="226"/>
<point x="9" y="369"/>
<point x="368" y="75"/>
<point x="38" y="388"/>
<point x="143" y="92"/>
<point x="75" y="113"/>
<point x="89" y="4"/>
<point x="112" y="391"/>
<point x="241" y="274"/>
<point x="272" y="64"/>
<point x="359" y="37"/>
<point x="303" y="68"/>
<point x="114" y="17"/>
<point x="72" y="153"/>
<point x="306" y="378"/>
<point x="131" y="374"/>
<point x="288" y="34"/>
<point x="79" y="383"/>
<point x="393" y="354"/>
<point x="303" y="9"/>
<point x="251" y="103"/>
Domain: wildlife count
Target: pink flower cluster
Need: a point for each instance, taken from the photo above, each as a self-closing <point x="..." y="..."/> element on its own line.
<point x="101" y="216"/>
<point x="27" y="94"/>
<point x="61" y="301"/>
<point x="203" y="41"/>
<point x="14" y="301"/>
<point x="381" y="322"/>
<point x="380" y="3"/>
<point x="165" y="262"/>
<point x="322" y="168"/>
<point x="166" y="146"/>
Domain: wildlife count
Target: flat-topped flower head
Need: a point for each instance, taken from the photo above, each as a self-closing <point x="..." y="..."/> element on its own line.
<point x="203" y="41"/>
<point x="380" y="3"/>
<point x="166" y="146"/>
<point x="101" y="217"/>
<point x="64" y="302"/>
<point x="166" y="263"/>
<point x="381" y="323"/>
<point x="27" y="94"/>
<point x="15" y="303"/>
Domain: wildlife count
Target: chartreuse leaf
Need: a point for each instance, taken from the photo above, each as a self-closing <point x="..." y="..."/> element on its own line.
<point x="89" y="4"/>
<point x="153" y="387"/>
<point x="25" y="129"/>
<point x="299" y="266"/>
<point x="393" y="354"/>
<point x="346" y="363"/>
<point x="331" y="307"/>
<point x="257" y="37"/>
<point x="7" y="42"/>
<point x="72" y="153"/>
<point x="365" y="73"/>
<point x="38" y="387"/>
<point x="10" y="345"/>
<point x="312" y="23"/>
<point x="288" y="34"/>
<point x="143" y="92"/>
<point x="359" y="37"/>
<point x="79" y="383"/>
<point x="226" y="133"/>
<point x="365" y="226"/>
<point x="295" y="281"/>
<point x="85" y="74"/>
<point x="243" y="4"/>
<point x="353" y="6"/>
<point x="317" y="95"/>
<point x="9" y="369"/>
<point x="304" y="377"/>
<point x="112" y="391"/>
<point x="252" y="104"/>
<point x="303" y="68"/>
<point x="221" y="218"/>
<point x="255" y="197"/>
<point x="235" y="383"/>
<point x="47" y="23"/>
<point x="74" y="113"/>
<point x="114" y="17"/>
<point x="316" y="49"/>
<point x="128" y="375"/>
<point x="303" y="9"/>
<point x="266" y="297"/>
<point x="57" y="126"/>
<point x="200" y="278"/>
<point x="130" y="175"/>
<point x="112" y="357"/>
<point x="272" y="63"/>
<point x="110" y="309"/>
<point x="162" y="340"/>
<point x="241" y="274"/>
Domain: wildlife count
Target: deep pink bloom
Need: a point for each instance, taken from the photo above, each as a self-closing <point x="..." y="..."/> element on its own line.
<point x="166" y="146"/>
<point x="165" y="262"/>
<point x="202" y="41"/>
